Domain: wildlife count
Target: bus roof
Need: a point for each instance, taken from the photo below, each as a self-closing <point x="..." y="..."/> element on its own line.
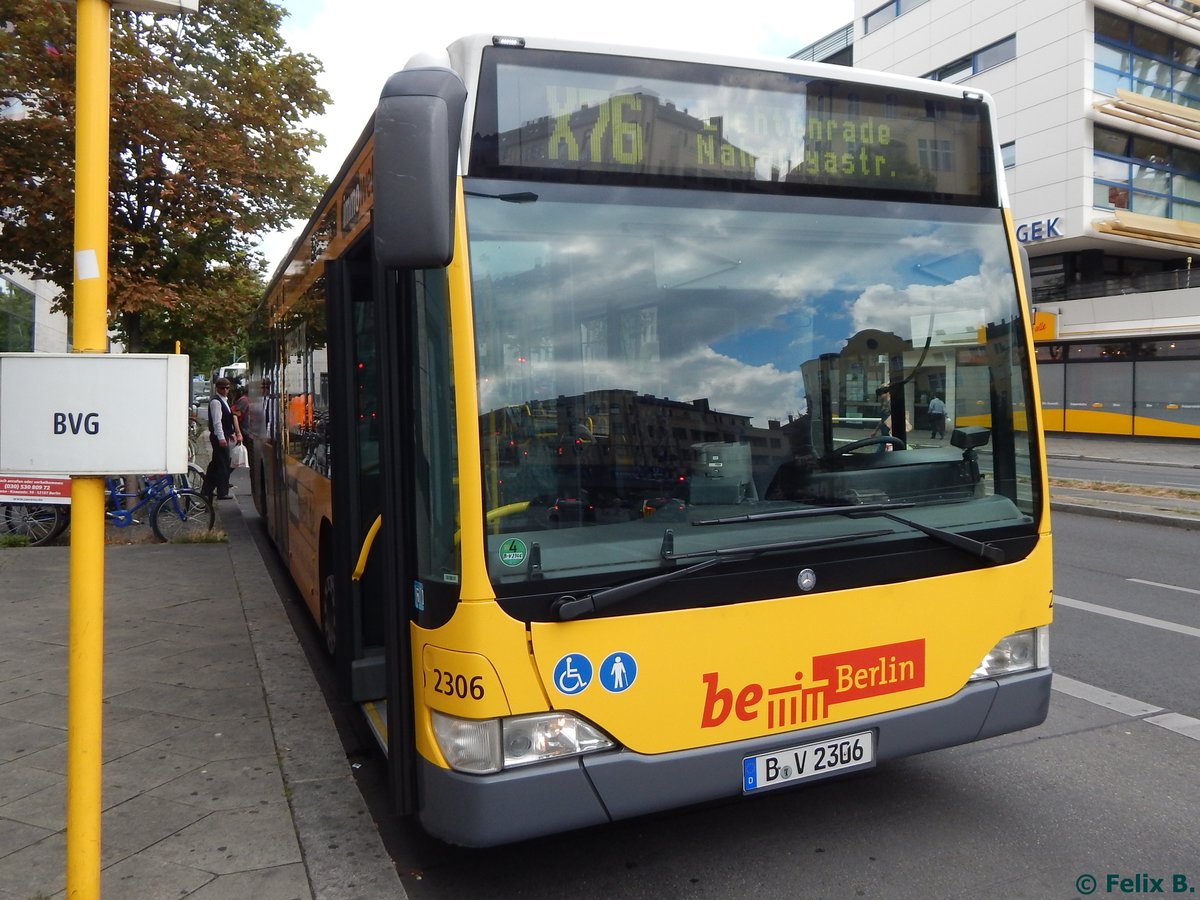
<point x="464" y="56"/>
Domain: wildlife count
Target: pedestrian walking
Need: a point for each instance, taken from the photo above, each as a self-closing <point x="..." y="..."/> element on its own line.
<point x="884" y="428"/>
<point x="937" y="417"/>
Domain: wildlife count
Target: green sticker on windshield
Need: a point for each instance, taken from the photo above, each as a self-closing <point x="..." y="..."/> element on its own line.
<point x="513" y="552"/>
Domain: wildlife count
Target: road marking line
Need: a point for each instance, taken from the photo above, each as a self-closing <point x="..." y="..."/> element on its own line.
<point x="1127" y="616"/>
<point x="1169" y="587"/>
<point x="1180" y="724"/>
<point x="1116" y="702"/>
<point x="1135" y="709"/>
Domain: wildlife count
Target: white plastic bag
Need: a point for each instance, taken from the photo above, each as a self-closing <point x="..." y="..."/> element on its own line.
<point x="238" y="458"/>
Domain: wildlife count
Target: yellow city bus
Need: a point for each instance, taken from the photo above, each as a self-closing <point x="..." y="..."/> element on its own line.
<point x="596" y="431"/>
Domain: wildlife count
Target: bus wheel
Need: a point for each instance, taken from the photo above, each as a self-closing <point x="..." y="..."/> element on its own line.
<point x="262" y="498"/>
<point x="329" y="613"/>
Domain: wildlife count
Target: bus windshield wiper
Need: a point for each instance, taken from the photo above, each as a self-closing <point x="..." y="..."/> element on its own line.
<point x="981" y="549"/>
<point x="570" y="607"/>
<point x="809" y="513"/>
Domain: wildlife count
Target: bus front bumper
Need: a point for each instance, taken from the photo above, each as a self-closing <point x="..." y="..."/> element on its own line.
<point x="548" y="798"/>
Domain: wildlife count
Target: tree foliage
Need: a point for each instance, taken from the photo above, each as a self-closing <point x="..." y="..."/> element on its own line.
<point x="208" y="148"/>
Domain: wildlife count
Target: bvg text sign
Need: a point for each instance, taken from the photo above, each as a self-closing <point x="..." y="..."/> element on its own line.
<point x="93" y="413"/>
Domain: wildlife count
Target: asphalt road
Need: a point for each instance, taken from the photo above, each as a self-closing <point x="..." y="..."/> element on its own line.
<point x="1127" y="615"/>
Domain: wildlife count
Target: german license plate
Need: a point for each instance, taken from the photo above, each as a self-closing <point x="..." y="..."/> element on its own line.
<point x="768" y="770"/>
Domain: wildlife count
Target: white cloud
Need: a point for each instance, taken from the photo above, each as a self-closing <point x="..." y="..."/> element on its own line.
<point x="360" y="44"/>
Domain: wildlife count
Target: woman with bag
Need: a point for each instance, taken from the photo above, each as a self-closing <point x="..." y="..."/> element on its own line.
<point x="241" y="411"/>
<point x="239" y="458"/>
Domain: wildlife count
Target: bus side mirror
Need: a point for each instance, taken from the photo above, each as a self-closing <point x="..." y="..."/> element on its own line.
<point x="418" y="127"/>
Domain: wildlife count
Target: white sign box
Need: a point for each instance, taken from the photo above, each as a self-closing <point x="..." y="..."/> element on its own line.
<point x="93" y="413"/>
<point x="159" y="7"/>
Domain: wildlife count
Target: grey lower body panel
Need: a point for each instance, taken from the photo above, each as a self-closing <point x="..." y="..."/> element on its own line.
<point x="544" y="799"/>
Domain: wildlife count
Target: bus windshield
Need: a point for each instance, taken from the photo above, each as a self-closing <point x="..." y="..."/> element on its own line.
<point x="655" y="360"/>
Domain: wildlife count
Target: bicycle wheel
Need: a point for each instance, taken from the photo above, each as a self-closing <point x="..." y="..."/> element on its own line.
<point x="191" y="480"/>
<point x="195" y="477"/>
<point x="40" y="523"/>
<point x="181" y="515"/>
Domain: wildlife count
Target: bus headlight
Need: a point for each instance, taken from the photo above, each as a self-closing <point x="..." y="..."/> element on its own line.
<point x="483" y="746"/>
<point x="469" y="745"/>
<point x="1022" y="651"/>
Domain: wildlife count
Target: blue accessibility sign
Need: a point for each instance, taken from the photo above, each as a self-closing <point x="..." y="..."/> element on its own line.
<point x="572" y="673"/>
<point x="617" y="672"/>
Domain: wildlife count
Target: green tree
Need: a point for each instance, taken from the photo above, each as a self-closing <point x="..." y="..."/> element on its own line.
<point x="208" y="149"/>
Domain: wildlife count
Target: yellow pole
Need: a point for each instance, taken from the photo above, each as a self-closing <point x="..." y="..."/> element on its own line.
<point x="85" y="652"/>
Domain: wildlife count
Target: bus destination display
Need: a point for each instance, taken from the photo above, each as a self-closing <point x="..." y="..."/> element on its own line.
<point x="603" y="115"/>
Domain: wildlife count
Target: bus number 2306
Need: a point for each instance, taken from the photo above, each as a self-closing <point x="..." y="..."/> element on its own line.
<point x="458" y="685"/>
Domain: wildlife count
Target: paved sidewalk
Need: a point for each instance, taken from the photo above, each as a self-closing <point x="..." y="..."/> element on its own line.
<point x="223" y="774"/>
<point x="1152" y="451"/>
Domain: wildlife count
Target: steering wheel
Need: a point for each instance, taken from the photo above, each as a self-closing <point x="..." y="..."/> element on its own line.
<point x="892" y="440"/>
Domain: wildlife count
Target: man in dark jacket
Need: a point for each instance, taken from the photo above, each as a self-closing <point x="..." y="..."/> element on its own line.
<point x="221" y="434"/>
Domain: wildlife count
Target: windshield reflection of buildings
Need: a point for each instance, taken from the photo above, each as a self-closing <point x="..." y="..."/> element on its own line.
<point x="628" y="445"/>
<point x="863" y="136"/>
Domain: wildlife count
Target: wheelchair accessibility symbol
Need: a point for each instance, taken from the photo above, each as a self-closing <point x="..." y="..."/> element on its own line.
<point x="572" y="673"/>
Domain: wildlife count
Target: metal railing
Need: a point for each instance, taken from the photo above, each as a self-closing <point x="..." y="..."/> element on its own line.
<point x="825" y="47"/>
<point x="1117" y="285"/>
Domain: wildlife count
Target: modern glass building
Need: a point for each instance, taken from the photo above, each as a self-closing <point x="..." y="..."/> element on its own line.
<point x="28" y="321"/>
<point x="1099" y="105"/>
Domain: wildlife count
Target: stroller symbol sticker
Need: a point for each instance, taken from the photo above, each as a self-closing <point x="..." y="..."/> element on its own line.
<point x="572" y="673"/>
<point x="617" y="672"/>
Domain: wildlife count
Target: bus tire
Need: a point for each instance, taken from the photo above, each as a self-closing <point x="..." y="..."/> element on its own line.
<point x="328" y="605"/>
<point x="261" y="498"/>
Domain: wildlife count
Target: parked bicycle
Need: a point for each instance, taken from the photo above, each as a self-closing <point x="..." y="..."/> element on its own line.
<point x="38" y="523"/>
<point x="175" y="511"/>
<point x="173" y="503"/>
<point x="196" y="433"/>
<point x="192" y="479"/>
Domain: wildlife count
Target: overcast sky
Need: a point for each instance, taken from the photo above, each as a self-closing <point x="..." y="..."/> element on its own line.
<point x="361" y="42"/>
